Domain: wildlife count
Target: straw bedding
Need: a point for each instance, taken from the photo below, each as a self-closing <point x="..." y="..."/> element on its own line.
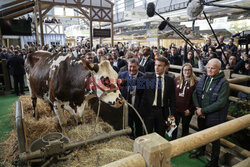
<point x="90" y="156"/>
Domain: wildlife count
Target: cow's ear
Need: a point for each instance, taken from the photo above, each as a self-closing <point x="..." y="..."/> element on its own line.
<point x="90" y="66"/>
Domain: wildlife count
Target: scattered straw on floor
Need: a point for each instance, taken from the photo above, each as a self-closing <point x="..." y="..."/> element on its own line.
<point x="93" y="155"/>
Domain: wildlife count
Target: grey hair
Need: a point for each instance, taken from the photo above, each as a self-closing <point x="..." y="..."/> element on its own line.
<point x="217" y="62"/>
<point x="133" y="60"/>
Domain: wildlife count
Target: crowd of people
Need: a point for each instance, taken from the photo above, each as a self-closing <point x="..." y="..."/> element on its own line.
<point x="152" y="90"/>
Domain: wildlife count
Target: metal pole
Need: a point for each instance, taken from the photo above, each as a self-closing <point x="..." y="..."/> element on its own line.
<point x="41" y="154"/>
<point x="214" y="33"/>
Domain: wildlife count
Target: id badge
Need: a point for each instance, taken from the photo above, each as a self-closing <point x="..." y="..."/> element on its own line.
<point x="181" y="94"/>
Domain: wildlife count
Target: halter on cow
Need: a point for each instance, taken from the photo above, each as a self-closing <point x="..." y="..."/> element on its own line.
<point x="66" y="82"/>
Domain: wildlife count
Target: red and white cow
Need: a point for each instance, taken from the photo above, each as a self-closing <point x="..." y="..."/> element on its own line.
<point x="66" y="82"/>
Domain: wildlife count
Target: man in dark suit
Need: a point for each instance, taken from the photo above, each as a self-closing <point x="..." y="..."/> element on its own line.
<point x="118" y="62"/>
<point x="129" y="93"/>
<point x="146" y="62"/>
<point x="156" y="94"/>
<point x="110" y="58"/>
<point x="174" y="57"/>
<point x="99" y="53"/>
<point x="15" y="65"/>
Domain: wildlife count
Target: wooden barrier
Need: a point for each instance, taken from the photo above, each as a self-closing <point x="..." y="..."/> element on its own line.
<point x="135" y="160"/>
<point x="245" y="163"/>
<point x="244" y="89"/>
<point x="197" y="70"/>
<point x="181" y="145"/>
<point x="239" y="150"/>
<point x="238" y="80"/>
<point x="209" y="135"/>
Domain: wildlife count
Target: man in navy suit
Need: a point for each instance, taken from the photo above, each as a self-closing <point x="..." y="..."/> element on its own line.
<point x="156" y="94"/>
<point x="128" y="91"/>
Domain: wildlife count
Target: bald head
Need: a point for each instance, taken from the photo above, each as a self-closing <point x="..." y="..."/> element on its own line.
<point x="213" y="67"/>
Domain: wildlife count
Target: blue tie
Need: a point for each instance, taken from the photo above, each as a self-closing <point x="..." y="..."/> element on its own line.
<point x="159" y="96"/>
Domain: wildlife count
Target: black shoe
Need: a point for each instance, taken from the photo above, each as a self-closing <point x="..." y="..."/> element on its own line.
<point x="197" y="154"/>
<point x="212" y="163"/>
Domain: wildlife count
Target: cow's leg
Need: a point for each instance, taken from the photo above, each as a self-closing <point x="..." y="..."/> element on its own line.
<point x="72" y="112"/>
<point x="59" y="115"/>
<point x="51" y="108"/>
<point x="34" y="100"/>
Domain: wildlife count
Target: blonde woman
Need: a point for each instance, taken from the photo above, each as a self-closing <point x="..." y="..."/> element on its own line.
<point x="185" y="86"/>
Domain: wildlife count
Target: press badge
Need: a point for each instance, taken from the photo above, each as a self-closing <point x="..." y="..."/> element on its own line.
<point x="181" y="94"/>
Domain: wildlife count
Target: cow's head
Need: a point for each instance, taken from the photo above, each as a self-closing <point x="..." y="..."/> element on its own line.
<point x="104" y="83"/>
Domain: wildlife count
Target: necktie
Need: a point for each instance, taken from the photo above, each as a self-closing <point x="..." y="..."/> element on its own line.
<point x="159" y="92"/>
<point x="131" y="89"/>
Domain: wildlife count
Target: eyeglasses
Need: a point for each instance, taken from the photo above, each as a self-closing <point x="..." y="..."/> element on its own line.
<point x="187" y="69"/>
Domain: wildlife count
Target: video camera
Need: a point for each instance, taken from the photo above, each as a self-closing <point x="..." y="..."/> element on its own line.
<point x="244" y="37"/>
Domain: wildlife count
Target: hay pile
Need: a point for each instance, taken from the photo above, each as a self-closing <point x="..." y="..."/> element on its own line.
<point x="93" y="155"/>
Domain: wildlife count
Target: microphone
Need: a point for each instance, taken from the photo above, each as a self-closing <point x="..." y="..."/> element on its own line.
<point x="163" y="24"/>
<point x="236" y="35"/>
<point x="194" y="8"/>
<point x="151" y="9"/>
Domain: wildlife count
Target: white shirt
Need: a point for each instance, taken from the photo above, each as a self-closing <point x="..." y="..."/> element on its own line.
<point x="133" y="93"/>
<point x="143" y="61"/>
<point x="156" y="90"/>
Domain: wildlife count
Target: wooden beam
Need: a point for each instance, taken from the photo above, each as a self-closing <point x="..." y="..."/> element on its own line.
<point x="11" y="3"/>
<point x="112" y="29"/>
<point x="22" y="12"/>
<point x="85" y="21"/>
<point x="18" y="13"/>
<point x="74" y="5"/>
<point x="40" y="20"/>
<point x="16" y="8"/>
<point x="244" y="89"/>
<point x="79" y="17"/>
<point x="130" y="161"/>
<point x="83" y="12"/>
<point x="36" y="24"/>
<point x="240" y="79"/>
<point x="47" y="10"/>
<point x="238" y="100"/>
<point x="190" y="142"/>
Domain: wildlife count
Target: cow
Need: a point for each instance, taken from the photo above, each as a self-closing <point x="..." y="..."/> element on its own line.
<point x="65" y="82"/>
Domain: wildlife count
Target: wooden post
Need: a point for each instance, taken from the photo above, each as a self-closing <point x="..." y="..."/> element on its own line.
<point x="227" y="74"/>
<point x="1" y="37"/>
<point x="36" y="24"/>
<point x="244" y="163"/>
<point x="90" y="28"/>
<point x="154" y="148"/>
<point x="135" y="160"/>
<point x="244" y="89"/>
<point x="238" y="80"/>
<point x="209" y="135"/>
<point x="40" y="21"/>
<point x="112" y="28"/>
